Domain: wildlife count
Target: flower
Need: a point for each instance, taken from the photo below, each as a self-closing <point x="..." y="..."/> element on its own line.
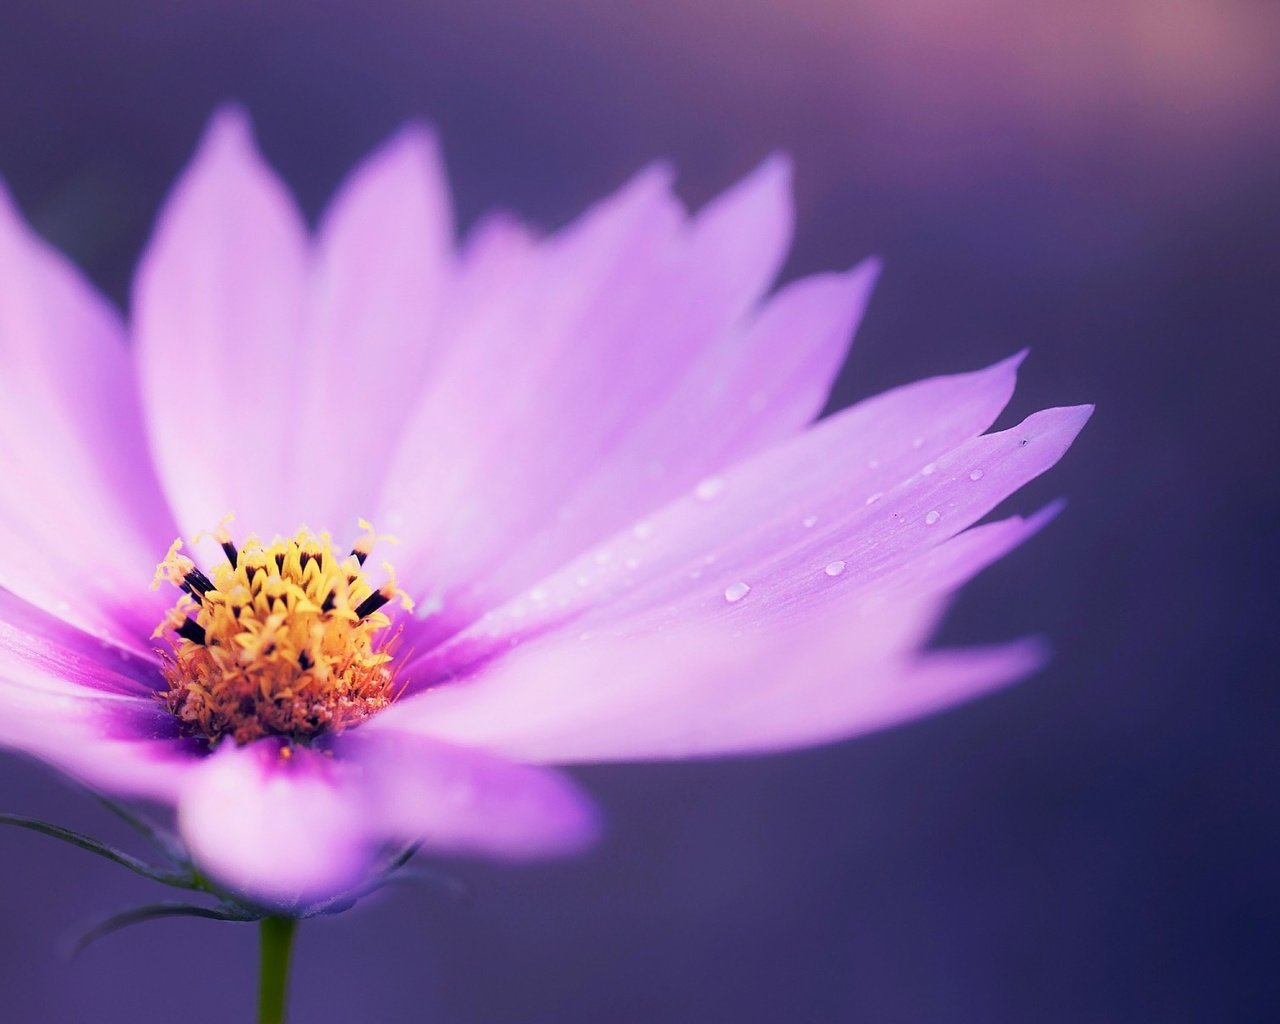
<point x="625" y="537"/>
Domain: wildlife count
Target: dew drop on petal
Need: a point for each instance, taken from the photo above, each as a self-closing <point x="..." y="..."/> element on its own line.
<point x="642" y="531"/>
<point x="875" y="497"/>
<point x="633" y="563"/>
<point x="736" y="592"/>
<point x="709" y="488"/>
<point x="929" y="470"/>
<point x="873" y="464"/>
<point x="932" y="517"/>
<point x="834" y="568"/>
<point x="976" y="475"/>
<point x="918" y="443"/>
<point x="602" y="557"/>
<point x="808" y="521"/>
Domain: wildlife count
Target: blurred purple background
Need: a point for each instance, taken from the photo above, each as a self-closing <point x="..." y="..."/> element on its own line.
<point x="1100" y="181"/>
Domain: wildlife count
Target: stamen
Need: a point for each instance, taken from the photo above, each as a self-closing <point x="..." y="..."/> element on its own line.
<point x="191" y="630"/>
<point x="286" y="639"/>
<point x="198" y="582"/>
<point x="372" y="603"/>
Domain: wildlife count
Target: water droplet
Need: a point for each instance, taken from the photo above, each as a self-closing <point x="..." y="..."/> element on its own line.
<point x="539" y="595"/>
<point x="709" y="488"/>
<point x="918" y="443"/>
<point x="834" y="568"/>
<point x="808" y="521"/>
<point x="873" y="464"/>
<point x="875" y="497"/>
<point x="642" y="531"/>
<point x="929" y="470"/>
<point x="736" y="592"/>
<point x="695" y="574"/>
<point x="602" y="556"/>
<point x="633" y="563"/>
<point x="976" y="475"/>
<point x="932" y="517"/>
<point x="584" y="581"/>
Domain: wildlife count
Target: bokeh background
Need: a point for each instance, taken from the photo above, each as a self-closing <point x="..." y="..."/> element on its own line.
<point x="1099" y="180"/>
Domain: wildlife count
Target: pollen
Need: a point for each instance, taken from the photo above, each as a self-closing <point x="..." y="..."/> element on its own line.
<point x="283" y="639"/>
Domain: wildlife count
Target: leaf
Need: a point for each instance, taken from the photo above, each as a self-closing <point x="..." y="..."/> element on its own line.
<point x="177" y="879"/>
<point x="151" y="912"/>
<point x="162" y="838"/>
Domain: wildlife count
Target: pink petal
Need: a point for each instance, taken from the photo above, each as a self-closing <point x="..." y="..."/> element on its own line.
<point x="699" y="648"/>
<point x="278" y="829"/>
<point x="289" y="827"/>
<point x="623" y="362"/>
<point x="798" y="503"/>
<point x="709" y="690"/>
<point x="460" y="801"/>
<point x="86" y="707"/>
<point x="384" y="260"/>
<point x="82" y="521"/>
<point x="219" y="304"/>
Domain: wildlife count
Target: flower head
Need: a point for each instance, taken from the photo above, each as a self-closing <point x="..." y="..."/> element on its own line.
<point x="625" y="535"/>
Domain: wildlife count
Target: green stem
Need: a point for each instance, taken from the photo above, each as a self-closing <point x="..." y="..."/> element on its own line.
<point x="273" y="977"/>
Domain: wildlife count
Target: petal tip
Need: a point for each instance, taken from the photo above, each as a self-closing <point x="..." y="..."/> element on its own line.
<point x="229" y="128"/>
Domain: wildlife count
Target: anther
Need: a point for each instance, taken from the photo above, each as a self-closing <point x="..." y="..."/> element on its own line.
<point x="197" y="583"/>
<point x="191" y="630"/>
<point x="372" y="603"/>
<point x="230" y="551"/>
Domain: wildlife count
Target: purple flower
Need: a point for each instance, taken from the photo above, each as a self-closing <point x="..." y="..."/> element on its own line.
<point x="624" y="537"/>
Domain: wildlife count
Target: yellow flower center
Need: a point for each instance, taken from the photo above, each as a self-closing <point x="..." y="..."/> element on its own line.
<point x="286" y="639"/>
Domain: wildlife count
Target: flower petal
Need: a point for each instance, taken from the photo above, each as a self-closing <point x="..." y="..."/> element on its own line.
<point x="460" y="801"/>
<point x="629" y="362"/>
<point x="696" y="638"/>
<point x="81" y="514"/>
<point x="86" y="707"/>
<point x="282" y="830"/>
<point x="218" y="307"/>
<point x="802" y="501"/>
<point x="288" y="826"/>
<point x="710" y="690"/>
<point x="384" y="257"/>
